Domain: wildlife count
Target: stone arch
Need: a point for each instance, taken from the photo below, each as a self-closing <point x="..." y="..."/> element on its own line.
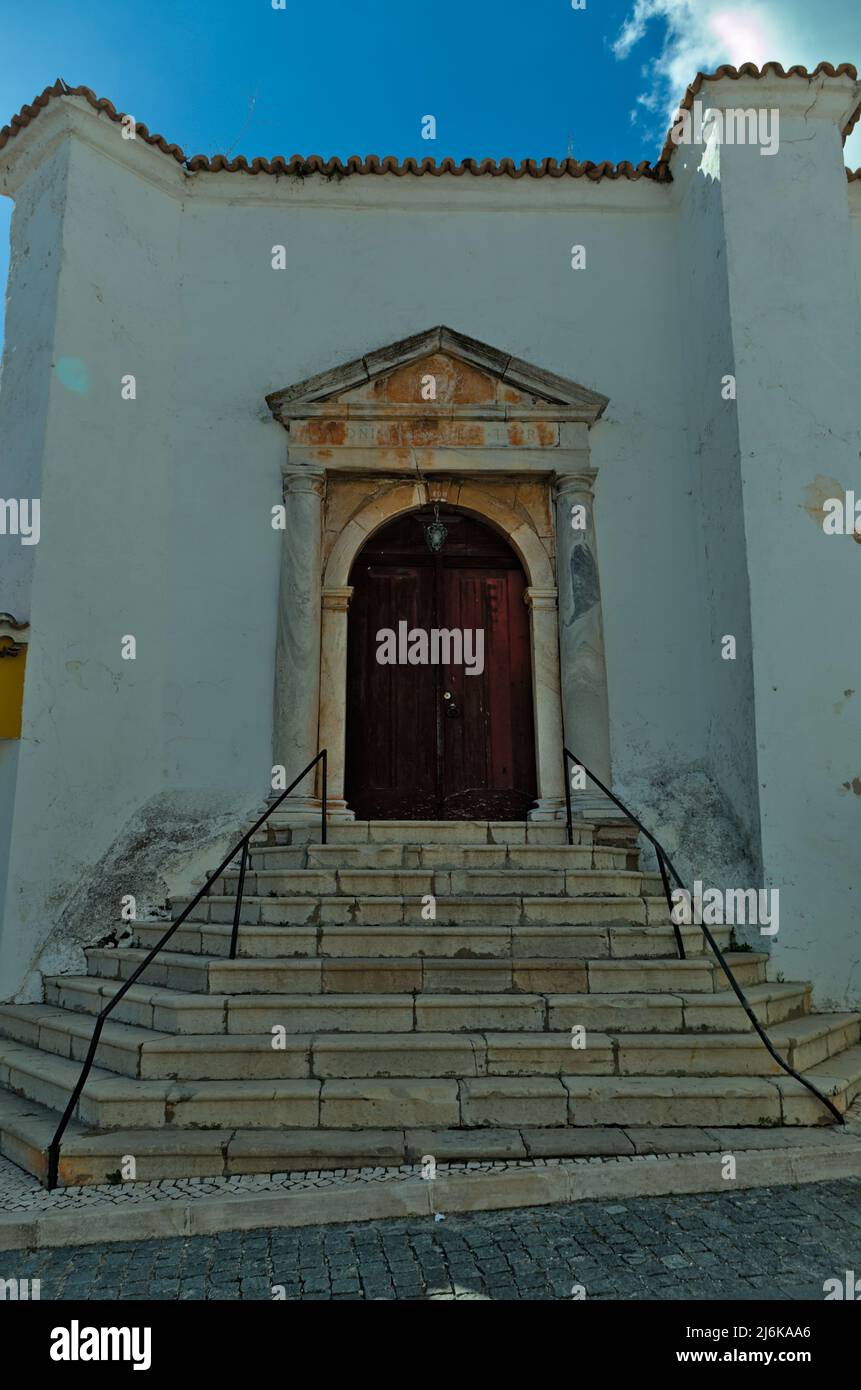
<point x="468" y="497"/>
<point x="498" y="424"/>
<point x="541" y="597"/>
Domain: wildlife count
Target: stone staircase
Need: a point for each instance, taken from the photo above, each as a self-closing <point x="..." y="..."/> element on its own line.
<point x="357" y="1029"/>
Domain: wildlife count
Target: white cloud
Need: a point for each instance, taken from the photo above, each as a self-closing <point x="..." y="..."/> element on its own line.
<point x="699" y="35"/>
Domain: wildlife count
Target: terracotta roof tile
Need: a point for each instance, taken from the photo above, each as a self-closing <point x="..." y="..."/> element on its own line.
<point x="27" y="114"/>
<point x="373" y="164"/>
<point x="315" y="164"/>
<point x="751" y="70"/>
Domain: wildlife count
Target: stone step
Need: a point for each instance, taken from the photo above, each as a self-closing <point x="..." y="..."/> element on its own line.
<point x="88" y="1158"/>
<point x="26" y="1129"/>
<point x="418" y="883"/>
<point x="698" y="974"/>
<point x="497" y="858"/>
<point x="807" y="1042"/>
<point x="145" y="1006"/>
<point x="802" y="1043"/>
<point x="491" y="910"/>
<point x="128" y="1050"/>
<point x="675" y="1013"/>
<point x="449" y="832"/>
<point x="174" y="1011"/>
<point x="334" y="975"/>
<point x="371" y="974"/>
<point x="182" y="973"/>
<point x="427" y="939"/>
<point x="112" y="1102"/>
<point x="171" y="1011"/>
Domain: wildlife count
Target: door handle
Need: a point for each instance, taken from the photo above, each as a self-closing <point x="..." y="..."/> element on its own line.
<point x="450" y="705"/>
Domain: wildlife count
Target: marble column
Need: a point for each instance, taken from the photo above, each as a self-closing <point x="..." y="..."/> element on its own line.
<point x="297" y="652"/>
<point x="333" y="696"/>
<point x="548" y="711"/>
<point x="581" y="639"/>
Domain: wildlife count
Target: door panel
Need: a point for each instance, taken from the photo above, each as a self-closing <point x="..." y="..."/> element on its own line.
<point x="487" y="749"/>
<point x="389" y="767"/>
<point x="412" y="753"/>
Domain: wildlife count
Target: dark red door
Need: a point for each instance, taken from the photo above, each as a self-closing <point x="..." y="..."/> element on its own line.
<point x="430" y="741"/>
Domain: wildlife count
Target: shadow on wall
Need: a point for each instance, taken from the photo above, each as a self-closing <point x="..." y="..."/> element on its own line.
<point x="699" y="829"/>
<point x="166" y="846"/>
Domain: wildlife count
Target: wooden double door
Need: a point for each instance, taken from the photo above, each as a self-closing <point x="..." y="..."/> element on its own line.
<point x="430" y="741"/>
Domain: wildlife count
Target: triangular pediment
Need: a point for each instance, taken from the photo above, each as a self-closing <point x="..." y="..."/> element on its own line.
<point x="468" y="376"/>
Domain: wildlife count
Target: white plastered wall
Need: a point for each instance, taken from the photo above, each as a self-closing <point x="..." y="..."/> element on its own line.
<point x="794" y="297"/>
<point x="156" y="513"/>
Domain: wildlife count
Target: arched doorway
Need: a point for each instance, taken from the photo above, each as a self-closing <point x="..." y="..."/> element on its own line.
<point x="439" y="679"/>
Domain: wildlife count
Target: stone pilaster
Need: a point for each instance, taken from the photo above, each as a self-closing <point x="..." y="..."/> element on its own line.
<point x="550" y="805"/>
<point x="297" y="653"/>
<point x="581" y="638"/>
<point x="333" y="685"/>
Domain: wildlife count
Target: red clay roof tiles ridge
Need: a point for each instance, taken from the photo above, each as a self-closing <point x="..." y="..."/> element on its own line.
<point x="773" y="69"/>
<point x="315" y="164"/>
<point x="389" y="164"/>
<point x="27" y="114"/>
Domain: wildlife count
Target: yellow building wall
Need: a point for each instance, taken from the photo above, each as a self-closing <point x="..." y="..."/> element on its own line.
<point x="12" y="693"/>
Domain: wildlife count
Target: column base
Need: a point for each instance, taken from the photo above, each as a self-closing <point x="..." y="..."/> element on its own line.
<point x="548" y="809"/>
<point x="308" y="810"/>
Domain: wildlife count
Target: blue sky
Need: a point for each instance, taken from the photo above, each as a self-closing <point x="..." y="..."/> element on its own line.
<point x="328" y="77"/>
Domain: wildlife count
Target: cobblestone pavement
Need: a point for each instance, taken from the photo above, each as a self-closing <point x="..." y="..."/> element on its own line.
<point x="772" y="1243"/>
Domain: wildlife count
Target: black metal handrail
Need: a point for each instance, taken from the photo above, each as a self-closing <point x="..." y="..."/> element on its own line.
<point x="54" y="1146"/>
<point x="665" y="863"/>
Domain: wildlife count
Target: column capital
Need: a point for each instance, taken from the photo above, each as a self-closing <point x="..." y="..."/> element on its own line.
<point x="581" y="481"/>
<point x="541" y="598"/>
<point x="338" y="599"/>
<point x="306" y="479"/>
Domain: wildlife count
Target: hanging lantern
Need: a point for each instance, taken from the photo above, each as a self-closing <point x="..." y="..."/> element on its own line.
<point x="435" y="533"/>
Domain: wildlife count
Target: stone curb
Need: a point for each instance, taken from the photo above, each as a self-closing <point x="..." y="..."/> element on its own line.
<point x="399" y="1196"/>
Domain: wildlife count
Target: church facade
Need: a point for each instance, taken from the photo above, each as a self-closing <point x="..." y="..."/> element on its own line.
<point x="244" y="395"/>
